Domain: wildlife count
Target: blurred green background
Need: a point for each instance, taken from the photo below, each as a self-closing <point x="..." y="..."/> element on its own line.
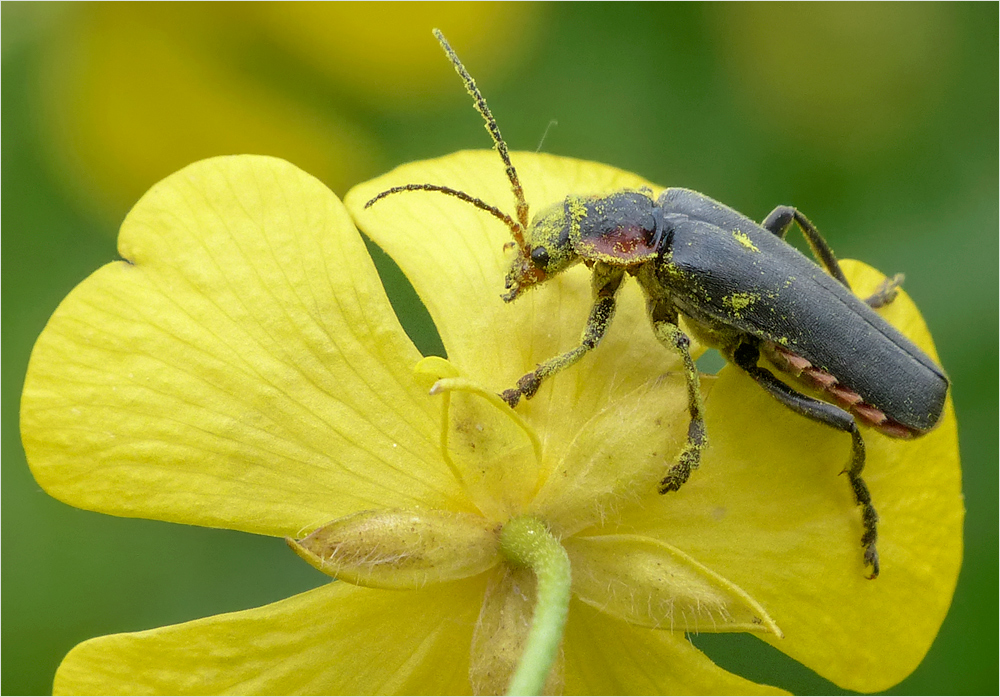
<point x="878" y="121"/>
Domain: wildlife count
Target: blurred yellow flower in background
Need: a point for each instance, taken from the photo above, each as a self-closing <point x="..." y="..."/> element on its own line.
<point x="130" y="92"/>
<point x="243" y="369"/>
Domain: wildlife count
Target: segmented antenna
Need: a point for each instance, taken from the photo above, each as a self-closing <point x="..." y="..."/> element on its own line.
<point x="517" y="227"/>
<point x="491" y="126"/>
<point x="478" y="203"/>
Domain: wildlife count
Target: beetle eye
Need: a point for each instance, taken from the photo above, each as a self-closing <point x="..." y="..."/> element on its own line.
<point x="540" y="257"/>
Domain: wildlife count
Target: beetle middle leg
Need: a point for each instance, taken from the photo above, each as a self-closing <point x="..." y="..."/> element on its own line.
<point x="746" y="356"/>
<point x="606" y="281"/>
<point x="664" y="318"/>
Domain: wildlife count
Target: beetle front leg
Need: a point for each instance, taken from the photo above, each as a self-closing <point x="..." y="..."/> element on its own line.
<point x="746" y="356"/>
<point x="664" y="318"/>
<point x="606" y="281"/>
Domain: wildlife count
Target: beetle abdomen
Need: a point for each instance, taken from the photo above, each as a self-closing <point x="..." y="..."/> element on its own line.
<point x="845" y="397"/>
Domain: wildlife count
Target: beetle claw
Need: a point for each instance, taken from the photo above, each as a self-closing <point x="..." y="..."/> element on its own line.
<point x="511" y="396"/>
<point x="871" y="559"/>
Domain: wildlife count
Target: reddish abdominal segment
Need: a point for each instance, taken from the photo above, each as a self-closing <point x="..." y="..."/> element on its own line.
<point x="842" y="395"/>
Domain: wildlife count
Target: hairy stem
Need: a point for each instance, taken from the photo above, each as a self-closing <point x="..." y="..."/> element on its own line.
<point x="527" y="541"/>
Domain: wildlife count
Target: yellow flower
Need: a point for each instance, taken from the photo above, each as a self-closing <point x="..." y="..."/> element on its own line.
<point x="243" y="369"/>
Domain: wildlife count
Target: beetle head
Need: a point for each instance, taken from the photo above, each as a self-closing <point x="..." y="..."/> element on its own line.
<point x="543" y="251"/>
<point x="543" y="247"/>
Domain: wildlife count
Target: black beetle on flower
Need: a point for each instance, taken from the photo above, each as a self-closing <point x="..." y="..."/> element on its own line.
<point x="742" y="289"/>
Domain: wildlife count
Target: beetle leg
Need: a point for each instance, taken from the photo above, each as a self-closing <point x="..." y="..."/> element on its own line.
<point x="746" y="356"/>
<point x="606" y="281"/>
<point x="780" y="220"/>
<point x="886" y="292"/>
<point x="664" y="319"/>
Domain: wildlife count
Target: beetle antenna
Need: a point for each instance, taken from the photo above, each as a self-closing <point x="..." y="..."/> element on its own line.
<point x="515" y="229"/>
<point x="491" y="126"/>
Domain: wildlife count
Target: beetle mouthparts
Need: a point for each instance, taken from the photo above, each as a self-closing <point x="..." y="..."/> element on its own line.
<point x="514" y="288"/>
<point x="521" y="276"/>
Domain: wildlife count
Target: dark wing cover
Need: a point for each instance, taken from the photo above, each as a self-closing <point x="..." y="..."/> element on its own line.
<point x="750" y="279"/>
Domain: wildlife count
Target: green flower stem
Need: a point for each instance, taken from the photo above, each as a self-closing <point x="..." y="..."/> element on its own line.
<point x="528" y="542"/>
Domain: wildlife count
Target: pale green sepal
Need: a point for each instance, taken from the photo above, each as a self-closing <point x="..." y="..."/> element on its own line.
<point x="401" y="549"/>
<point x="647" y="582"/>
<point x="501" y="633"/>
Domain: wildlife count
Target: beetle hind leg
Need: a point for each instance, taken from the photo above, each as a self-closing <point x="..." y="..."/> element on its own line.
<point x="746" y="356"/>
<point x="780" y="220"/>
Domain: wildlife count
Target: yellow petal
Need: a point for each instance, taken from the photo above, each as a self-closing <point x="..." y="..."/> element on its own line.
<point x="652" y="584"/>
<point x="241" y="369"/>
<point x="402" y="549"/>
<point x="452" y="253"/>
<point x="768" y="511"/>
<point x="495" y="455"/>
<point x="605" y="656"/>
<point x="616" y="457"/>
<point x="338" y="639"/>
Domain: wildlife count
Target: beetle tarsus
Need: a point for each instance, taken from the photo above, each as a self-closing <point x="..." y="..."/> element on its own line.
<point x="886" y="292"/>
<point x="862" y="496"/>
<point x="871" y="559"/>
<point x="678" y="474"/>
<point x="511" y="396"/>
<point x="528" y="384"/>
<point x="746" y="356"/>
